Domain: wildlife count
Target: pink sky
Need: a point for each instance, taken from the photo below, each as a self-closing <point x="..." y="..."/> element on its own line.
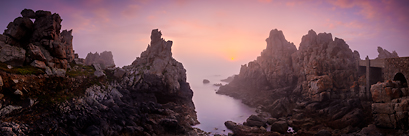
<point x="222" y="33"/>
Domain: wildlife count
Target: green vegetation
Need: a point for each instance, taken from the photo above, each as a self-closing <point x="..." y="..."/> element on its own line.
<point x="25" y="70"/>
<point x="80" y="70"/>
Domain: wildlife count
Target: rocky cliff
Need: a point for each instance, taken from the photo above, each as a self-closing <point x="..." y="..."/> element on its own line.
<point x="45" y="89"/>
<point x="311" y="89"/>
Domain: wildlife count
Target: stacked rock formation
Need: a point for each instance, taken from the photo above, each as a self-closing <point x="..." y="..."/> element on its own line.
<point x="273" y="69"/>
<point x="157" y="63"/>
<point x="40" y="44"/>
<point x="315" y="85"/>
<point x="391" y="104"/>
<point x="149" y="97"/>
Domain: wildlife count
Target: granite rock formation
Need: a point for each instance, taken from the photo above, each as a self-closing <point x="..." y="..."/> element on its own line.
<point x="105" y="59"/>
<point x="157" y="63"/>
<point x="383" y="53"/>
<point x="391" y="105"/>
<point x="314" y="87"/>
<point x="25" y="42"/>
<point x="46" y="90"/>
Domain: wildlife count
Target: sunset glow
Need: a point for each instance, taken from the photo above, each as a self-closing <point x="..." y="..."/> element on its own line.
<point x="222" y="32"/>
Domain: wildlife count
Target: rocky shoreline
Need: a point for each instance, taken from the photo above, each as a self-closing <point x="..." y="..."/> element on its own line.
<point x="45" y="89"/>
<point x="317" y="90"/>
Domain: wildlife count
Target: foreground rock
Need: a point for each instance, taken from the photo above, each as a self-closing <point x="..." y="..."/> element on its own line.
<point x="390" y="107"/>
<point x="39" y="43"/>
<point x="239" y="129"/>
<point x="48" y="91"/>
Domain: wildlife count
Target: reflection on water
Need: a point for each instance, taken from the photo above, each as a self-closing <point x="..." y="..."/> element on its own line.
<point x="214" y="109"/>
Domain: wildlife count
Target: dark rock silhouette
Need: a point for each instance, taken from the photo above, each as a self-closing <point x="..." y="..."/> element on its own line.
<point x="46" y="90"/>
<point x="41" y="39"/>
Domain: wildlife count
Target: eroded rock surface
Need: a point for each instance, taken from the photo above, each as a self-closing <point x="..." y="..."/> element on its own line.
<point x="46" y="90"/>
<point x="315" y="85"/>
<point x="25" y="42"/>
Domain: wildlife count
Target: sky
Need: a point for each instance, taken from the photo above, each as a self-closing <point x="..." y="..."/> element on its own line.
<point x="221" y="35"/>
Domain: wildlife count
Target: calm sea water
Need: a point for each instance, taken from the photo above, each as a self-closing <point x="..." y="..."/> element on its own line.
<point x="214" y="109"/>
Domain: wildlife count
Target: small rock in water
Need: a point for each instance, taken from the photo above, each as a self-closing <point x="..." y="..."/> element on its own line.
<point x="217" y="84"/>
<point x="205" y="81"/>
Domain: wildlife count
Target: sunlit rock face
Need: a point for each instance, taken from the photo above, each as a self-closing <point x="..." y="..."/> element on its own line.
<point x="320" y="59"/>
<point x="320" y="55"/>
<point x="273" y="69"/>
<point x="311" y="86"/>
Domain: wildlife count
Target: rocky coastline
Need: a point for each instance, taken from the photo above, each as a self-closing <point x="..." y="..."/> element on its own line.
<point x="45" y="89"/>
<point x="317" y="90"/>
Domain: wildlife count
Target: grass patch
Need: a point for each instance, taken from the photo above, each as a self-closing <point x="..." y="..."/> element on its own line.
<point x="80" y="70"/>
<point x="25" y="70"/>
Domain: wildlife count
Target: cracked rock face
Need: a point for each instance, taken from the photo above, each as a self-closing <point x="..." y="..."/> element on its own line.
<point x="41" y="39"/>
<point x="157" y="62"/>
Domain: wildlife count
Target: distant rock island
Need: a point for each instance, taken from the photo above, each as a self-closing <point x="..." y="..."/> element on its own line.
<point x="45" y="89"/>
<point x="105" y="59"/>
<point x="321" y="88"/>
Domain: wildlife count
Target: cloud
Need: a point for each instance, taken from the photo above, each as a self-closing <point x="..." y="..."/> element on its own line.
<point x="131" y="11"/>
<point x="101" y="14"/>
<point x="368" y="8"/>
<point x="265" y="1"/>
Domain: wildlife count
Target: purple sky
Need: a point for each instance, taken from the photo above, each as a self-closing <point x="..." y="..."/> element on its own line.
<point x="221" y="33"/>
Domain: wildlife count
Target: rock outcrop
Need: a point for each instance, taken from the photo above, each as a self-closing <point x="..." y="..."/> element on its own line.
<point x="314" y="85"/>
<point x="46" y="90"/>
<point x="157" y="63"/>
<point x="105" y="59"/>
<point x="24" y="42"/>
<point x="383" y="53"/>
<point x="264" y="73"/>
<point x="391" y="105"/>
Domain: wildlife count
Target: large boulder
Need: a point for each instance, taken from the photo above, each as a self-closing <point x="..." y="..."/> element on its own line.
<point x="391" y="105"/>
<point x="20" y="29"/>
<point x="12" y="55"/>
<point x="386" y="91"/>
<point x="46" y="26"/>
<point x="34" y="52"/>
<point x="28" y="13"/>
<point x="42" y="40"/>
<point x="255" y="120"/>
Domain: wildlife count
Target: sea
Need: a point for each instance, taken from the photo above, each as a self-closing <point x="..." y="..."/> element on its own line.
<point x="215" y="109"/>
